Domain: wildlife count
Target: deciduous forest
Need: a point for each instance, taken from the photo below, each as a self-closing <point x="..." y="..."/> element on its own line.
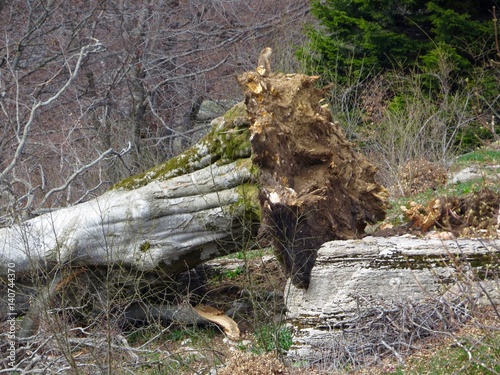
<point x="96" y="91"/>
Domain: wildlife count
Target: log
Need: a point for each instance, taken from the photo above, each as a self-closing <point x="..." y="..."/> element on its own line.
<point x="176" y="215"/>
<point x="169" y="224"/>
<point x="396" y="290"/>
<point x="195" y="207"/>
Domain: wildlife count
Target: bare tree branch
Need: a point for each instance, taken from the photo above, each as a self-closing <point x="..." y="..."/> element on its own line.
<point x="25" y="133"/>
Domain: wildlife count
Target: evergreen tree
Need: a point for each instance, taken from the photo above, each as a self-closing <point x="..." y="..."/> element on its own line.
<point x="358" y="36"/>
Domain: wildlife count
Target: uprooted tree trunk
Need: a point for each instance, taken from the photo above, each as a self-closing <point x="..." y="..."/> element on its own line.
<point x="145" y="230"/>
<point x="313" y="186"/>
<point x="204" y="203"/>
<point x="176" y="215"/>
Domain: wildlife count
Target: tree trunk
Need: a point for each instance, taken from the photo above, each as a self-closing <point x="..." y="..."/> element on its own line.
<point x="197" y="206"/>
<point x="169" y="224"/>
<point x="370" y="293"/>
<point x="312" y="187"/>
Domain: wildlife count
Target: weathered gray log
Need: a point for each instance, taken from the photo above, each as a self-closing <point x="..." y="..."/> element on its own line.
<point x="144" y="231"/>
<point x="174" y="216"/>
<point x="355" y="277"/>
<point x="173" y="224"/>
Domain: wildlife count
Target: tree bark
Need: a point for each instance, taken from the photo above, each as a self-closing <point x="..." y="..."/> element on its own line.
<point x="172" y="224"/>
<point x="195" y="207"/>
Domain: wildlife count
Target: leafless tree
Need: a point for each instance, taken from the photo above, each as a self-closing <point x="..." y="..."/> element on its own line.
<point x="82" y="80"/>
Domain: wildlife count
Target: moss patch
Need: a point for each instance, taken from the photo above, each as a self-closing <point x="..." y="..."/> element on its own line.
<point x="227" y="141"/>
<point x="145" y="246"/>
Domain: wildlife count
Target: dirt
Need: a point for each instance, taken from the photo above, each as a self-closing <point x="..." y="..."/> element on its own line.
<point x="314" y="187"/>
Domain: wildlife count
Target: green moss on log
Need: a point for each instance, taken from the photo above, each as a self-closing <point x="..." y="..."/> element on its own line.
<point x="247" y="207"/>
<point x="227" y="142"/>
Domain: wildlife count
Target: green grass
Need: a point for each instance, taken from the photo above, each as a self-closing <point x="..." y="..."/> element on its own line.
<point x="473" y="354"/>
<point x="143" y="334"/>
<point x="271" y="337"/>
<point x="451" y="190"/>
<point x="195" y="334"/>
<point x="232" y="274"/>
<point x="480" y="156"/>
<point x="249" y="254"/>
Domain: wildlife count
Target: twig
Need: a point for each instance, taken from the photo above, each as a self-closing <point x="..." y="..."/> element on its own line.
<point x="394" y="351"/>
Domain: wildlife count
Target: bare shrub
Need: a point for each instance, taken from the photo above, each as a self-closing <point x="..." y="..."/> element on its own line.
<point x="392" y="329"/>
<point x="396" y="118"/>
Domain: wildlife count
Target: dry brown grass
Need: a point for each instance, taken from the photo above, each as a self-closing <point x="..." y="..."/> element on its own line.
<point x="244" y="363"/>
<point x="418" y="176"/>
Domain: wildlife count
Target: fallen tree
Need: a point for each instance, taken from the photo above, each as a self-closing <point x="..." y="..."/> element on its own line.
<point x="144" y="231"/>
<point x="277" y="158"/>
<point x="188" y="210"/>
